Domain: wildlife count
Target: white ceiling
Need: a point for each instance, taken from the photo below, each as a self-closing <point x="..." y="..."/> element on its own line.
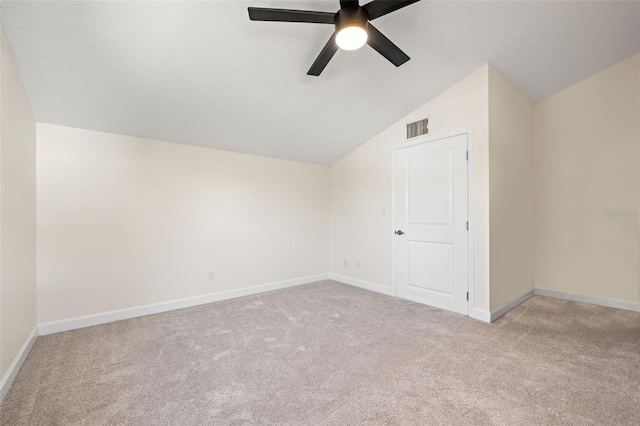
<point x="201" y="73"/>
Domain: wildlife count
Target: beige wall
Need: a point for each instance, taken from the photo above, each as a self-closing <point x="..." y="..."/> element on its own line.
<point x="361" y="188"/>
<point x="124" y="221"/>
<point x="17" y="212"/>
<point x="587" y="163"/>
<point x="511" y="191"/>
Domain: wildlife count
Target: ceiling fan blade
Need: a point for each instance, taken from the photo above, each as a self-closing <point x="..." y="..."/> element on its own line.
<point x="290" y="15"/>
<point x="324" y="57"/>
<point x="378" y="8"/>
<point x="385" y="47"/>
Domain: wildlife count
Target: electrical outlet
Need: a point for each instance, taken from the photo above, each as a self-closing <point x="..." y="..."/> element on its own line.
<point x="212" y="275"/>
<point x="344" y="263"/>
<point x="358" y="264"/>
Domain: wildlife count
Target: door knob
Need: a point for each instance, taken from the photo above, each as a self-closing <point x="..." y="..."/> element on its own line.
<point x="399" y="232"/>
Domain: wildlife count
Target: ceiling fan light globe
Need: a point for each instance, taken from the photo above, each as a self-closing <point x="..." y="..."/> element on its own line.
<point x="351" y="38"/>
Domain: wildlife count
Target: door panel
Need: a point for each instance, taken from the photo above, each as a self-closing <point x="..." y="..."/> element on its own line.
<point x="431" y="256"/>
<point x="430" y="266"/>
<point x="429" y="179"/>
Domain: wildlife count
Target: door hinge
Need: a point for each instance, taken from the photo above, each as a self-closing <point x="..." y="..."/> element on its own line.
<point x="467" y="155"/>
<point x="467" y="296"/>
<point x="467" y="225"/>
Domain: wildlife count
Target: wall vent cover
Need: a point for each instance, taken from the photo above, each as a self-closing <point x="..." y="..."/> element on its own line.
<point x="418" y="128"/>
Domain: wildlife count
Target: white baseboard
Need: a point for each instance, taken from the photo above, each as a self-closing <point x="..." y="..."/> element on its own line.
<point x="139" y="311"/>
<point x="15" y="366"/>
<point x="594" y="300"/>
<point x="362" y="284"/>
<point x="497" y="313"/>
<point x="480" y="315"/>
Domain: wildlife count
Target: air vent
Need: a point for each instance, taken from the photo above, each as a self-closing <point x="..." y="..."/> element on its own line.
<point x="418" y="128"/>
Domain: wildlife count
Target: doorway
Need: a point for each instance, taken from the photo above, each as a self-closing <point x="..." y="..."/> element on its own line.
<point x="431" y="222"/>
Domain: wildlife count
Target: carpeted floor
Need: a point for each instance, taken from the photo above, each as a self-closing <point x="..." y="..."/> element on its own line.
<point x="331" y="354"/>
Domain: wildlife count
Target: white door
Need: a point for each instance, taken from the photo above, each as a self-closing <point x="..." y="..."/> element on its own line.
<point x="431" y="237"/>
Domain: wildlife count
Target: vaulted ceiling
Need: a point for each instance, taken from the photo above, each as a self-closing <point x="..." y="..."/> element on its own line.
<point x="201" y="73"/>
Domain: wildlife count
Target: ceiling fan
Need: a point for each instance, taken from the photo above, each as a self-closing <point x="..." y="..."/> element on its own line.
<point x="353" y="28"/>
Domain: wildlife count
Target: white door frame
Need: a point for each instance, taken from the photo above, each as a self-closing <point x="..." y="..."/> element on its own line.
<point x="418" y="141"/>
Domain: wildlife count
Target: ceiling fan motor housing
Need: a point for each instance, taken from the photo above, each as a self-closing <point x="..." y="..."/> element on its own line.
<point x="351" y="16"/>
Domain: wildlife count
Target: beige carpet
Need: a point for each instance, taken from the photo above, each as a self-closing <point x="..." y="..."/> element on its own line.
<point x="331" y="354"/>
